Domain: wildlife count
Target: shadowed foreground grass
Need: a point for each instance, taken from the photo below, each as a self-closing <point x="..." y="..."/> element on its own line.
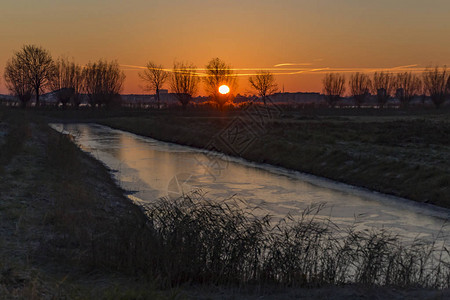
<point x="57" y="207"/>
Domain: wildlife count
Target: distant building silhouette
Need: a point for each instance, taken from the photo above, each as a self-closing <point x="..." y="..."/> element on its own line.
<point x="298" y="98"/>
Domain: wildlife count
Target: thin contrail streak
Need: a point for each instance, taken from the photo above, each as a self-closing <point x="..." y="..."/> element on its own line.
<point x="292" y="64"/>
<point x="232" y="69"/>
<point x="276" y="70"/>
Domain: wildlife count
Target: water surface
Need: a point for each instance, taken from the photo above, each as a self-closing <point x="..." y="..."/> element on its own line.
<point x="152" y="169"/>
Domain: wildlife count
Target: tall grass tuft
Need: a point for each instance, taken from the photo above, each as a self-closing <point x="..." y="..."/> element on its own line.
<point x="197" y="240"/>
<point x="203" y="241"/>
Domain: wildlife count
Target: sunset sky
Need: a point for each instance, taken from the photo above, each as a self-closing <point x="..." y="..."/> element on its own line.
<point x="312" y="36"/>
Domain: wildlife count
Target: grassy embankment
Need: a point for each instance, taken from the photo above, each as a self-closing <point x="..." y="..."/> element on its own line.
<point x="402" y="154"/>
<point x="67" y="231"/>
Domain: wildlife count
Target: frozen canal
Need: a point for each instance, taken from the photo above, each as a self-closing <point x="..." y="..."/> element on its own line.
<point x="154" y="169"/>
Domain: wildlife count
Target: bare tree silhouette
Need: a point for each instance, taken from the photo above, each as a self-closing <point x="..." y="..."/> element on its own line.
<point x="103" y="82"/>
<point x="333" y="88"/>
<point x="407" y="85"/>
<point x="359" y="87"/>
<point x="436" y="84"/>
<point x="383" y="87"/>
<point x="66" y="81"/>
<point x="264" y="83"/>
<point x="184" y="82"/>
<point x="38" y="66"/>
<point x="219" y="73"/>
<point x="154" y="77"/>
<point x="16" y="79"/>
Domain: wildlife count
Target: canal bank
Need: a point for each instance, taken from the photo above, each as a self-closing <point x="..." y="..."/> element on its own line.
<point x="405" y="156"/>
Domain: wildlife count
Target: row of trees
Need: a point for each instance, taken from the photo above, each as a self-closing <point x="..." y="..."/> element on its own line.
<point x="433" y="82"/>
<point x="184" y="81"/>
<point x="32" y="71"/>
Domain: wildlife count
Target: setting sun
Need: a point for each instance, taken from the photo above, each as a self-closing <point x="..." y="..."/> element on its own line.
<point x="224" y="89"/>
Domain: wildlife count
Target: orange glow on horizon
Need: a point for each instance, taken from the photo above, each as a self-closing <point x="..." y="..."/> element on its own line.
<point x="297" y="41"/>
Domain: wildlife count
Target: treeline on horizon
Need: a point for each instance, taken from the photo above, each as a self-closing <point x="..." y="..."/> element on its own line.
<point x="32" y="71"/>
